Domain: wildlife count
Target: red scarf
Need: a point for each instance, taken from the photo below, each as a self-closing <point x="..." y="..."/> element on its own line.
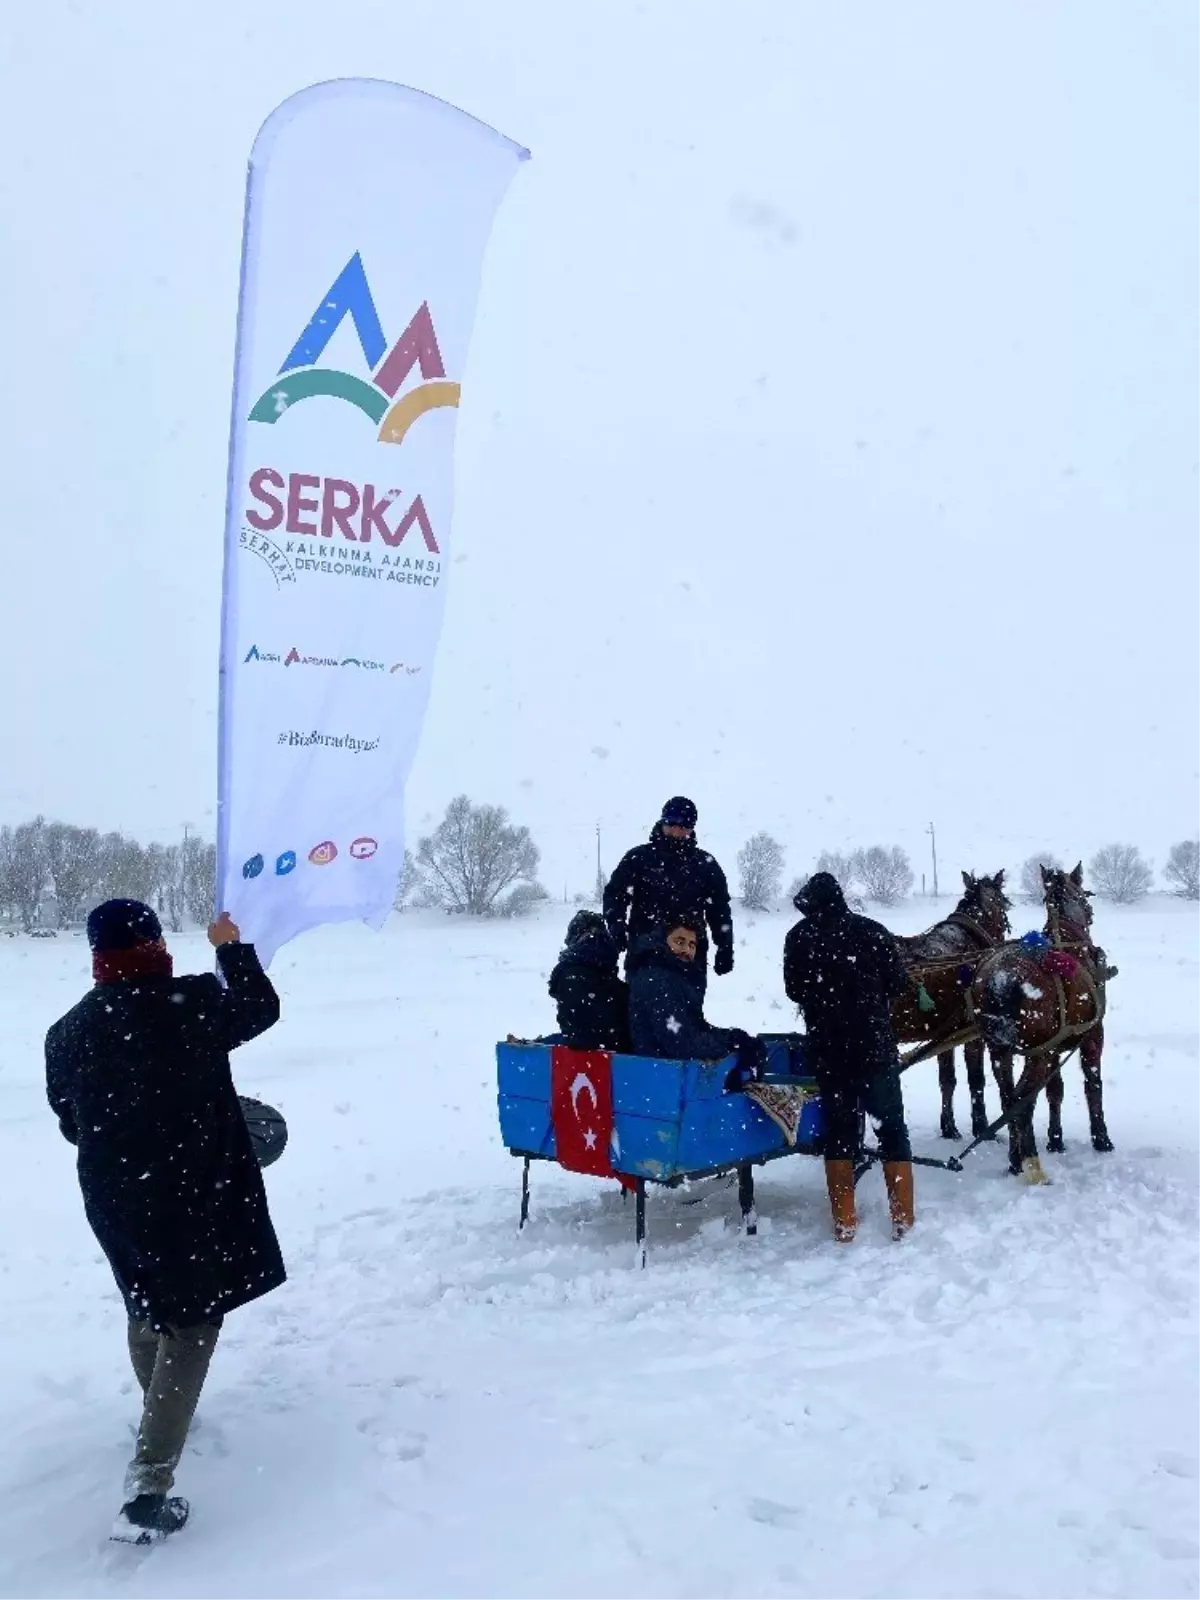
<point x="143" y="960"/>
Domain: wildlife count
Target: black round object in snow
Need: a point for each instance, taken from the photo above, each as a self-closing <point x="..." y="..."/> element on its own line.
<point x="268" y="1130"/>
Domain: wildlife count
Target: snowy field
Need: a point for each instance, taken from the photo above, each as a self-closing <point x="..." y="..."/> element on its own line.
<point x="1006" y="1405"/>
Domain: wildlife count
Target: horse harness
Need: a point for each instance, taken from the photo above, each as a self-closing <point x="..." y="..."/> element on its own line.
<point x="963" y="1034"/>
<point x="1069" y="1035"/>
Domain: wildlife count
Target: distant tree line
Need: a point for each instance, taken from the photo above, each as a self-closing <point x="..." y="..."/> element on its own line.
<point x="884" y="874"/>
<point x="476" y="862"/>
<point x="53" y="873"/>
<point x="1121" y="873"/>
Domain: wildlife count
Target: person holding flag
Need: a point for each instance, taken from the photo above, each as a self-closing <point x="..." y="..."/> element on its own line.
<point x="138" y="1076"/>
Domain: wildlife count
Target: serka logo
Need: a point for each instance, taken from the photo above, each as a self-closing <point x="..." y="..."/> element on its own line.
<point x="301" y="379"/>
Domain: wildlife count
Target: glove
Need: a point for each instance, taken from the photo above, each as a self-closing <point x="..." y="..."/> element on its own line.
<point x="723" y="962"/>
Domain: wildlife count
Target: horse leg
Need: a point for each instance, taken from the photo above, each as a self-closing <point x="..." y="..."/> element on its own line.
<point x="1032" y="1077"/>
<point x="1054" y="1099"/>
<point x="976" y="1084"/>
<point x="948" y="1082"/>
<point x="1002" y="1071"/>
<point x="1090" y="1052"/>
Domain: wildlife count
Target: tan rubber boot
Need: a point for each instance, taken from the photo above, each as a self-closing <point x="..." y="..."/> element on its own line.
<point x="839" y="1179"/>
<point x="899" y="1178"/>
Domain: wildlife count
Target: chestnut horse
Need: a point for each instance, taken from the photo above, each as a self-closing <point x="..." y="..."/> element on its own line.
<point x="1043" y="1003"/>
<point x="942" y="964"/>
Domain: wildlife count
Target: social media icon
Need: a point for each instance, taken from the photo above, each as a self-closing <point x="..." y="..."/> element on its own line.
<point x="253" y="867"/>
<point x="322" y="854"/>
<point x="363" y="849"/>
<point x="285" y="863"/>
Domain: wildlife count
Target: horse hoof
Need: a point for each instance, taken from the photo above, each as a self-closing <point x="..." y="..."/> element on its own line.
<point x="1032" y="1170"/>
<point x="949" y="1131"/>
<point x="1103" y="1144"/>
<point x="1055" y="1145"/>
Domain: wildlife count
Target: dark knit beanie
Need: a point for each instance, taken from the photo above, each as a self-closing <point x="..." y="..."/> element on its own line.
<point x="680" y="812"/>
<point x="120" y="924"/>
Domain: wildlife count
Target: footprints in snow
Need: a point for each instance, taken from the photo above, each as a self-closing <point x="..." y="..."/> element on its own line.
<point x="397" y="1445"/>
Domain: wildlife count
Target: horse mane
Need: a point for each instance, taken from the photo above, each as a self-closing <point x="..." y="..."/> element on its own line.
<point x="953" y="935"/>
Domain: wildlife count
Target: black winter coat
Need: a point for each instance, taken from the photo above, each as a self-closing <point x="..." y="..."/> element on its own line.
<point x="138" y="1076"/>
<point x="666" y="1006"/>
<point x="844" y="971"/>
<point x="668" y="877"/>
<point x="593" y="1003"/>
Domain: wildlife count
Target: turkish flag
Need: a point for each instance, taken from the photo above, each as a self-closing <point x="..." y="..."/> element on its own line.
<point x="581" y="1106"/>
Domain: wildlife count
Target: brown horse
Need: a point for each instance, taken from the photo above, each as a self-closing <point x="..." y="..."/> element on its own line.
<point x="942" y="963"/>
<point x="1069" y="922"/>
<point x="1042" y="1003"/>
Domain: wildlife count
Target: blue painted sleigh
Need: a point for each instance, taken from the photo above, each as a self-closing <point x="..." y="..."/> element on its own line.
<point x="671" y="1121"/>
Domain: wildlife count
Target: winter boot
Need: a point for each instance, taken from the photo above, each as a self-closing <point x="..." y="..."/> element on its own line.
<point x="839" y="1179"/>
<point x="899" y="1178"/>
<point x="148" y="1518"/>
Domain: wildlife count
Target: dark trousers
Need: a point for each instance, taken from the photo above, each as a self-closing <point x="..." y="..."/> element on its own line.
<point x="844" y="1099"/>
<point x="170" y="1369"/>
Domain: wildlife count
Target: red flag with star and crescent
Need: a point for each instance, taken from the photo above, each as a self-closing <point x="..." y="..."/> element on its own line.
<point x="581" y="1105"/>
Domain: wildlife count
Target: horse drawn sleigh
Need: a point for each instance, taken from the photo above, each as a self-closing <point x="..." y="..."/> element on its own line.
<point x="645" y="1121"/>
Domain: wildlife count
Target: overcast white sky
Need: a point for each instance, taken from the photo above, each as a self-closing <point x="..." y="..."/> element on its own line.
<point x="828" y="448"/>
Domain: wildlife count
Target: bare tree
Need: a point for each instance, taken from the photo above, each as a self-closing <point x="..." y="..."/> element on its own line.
<point x="760" y="870"/>
<point x="845" y="868"/>
<point x="7" y="870"/>
<point x="1121" y="873"/>
<point x="173" y="899"/>
<point x="521" y="900"/>
<point x="73" y="862"/>
<point x="407" y="883"/>
<point x="27" y="871"/>
<point x="122" y="869"/>
<point x="885" y="873"/>
<point x="472" y="856"/>
<point x="1182" y="870"/>
<point x="198" y="875"/>
<point x="157" y="867"/>
<point x="1032" y="888"/>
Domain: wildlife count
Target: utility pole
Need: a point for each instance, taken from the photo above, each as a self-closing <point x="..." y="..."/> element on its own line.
<point x="599" y="869"/>
<point x="933" y="847"/>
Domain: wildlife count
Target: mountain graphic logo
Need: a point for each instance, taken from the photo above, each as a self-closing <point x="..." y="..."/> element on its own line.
<point x="300" y="378"/>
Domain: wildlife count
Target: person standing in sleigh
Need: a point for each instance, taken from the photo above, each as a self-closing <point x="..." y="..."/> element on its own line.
<point x="671" y="874"/>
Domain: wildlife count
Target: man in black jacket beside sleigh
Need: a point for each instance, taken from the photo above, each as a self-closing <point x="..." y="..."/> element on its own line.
<point x="138" y="1076"/>
<point x="843" y="971"/>
<point x="668" y="876"/>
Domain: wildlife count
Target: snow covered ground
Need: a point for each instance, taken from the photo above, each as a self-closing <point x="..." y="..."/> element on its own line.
<point x="1006" y="1405"/>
